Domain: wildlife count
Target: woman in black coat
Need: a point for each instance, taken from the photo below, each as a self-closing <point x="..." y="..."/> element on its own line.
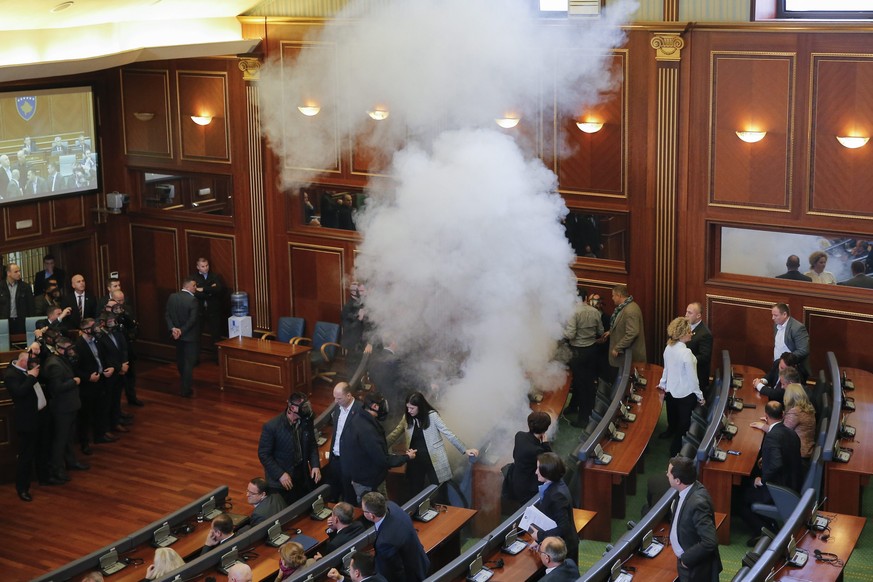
<point x="528" y="446"/>
<point x="555" y="502"/>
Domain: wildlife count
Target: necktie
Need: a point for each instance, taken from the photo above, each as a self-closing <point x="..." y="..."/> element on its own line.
<point x="81" y="300"/>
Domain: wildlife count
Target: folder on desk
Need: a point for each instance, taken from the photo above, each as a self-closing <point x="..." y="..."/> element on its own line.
<point x="534" y="517"/>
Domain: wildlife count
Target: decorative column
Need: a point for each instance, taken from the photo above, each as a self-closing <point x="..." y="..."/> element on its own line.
<point x="668" y="47"/>
<point x="251" y="69"/>
<point x="671" y="11"/>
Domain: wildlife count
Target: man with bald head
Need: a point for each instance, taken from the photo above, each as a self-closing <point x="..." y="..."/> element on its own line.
<point x="793" y="270"/>
<point x="239" y="572"/>
<point x="81" y="303"/>
<point x="16" y="299"/>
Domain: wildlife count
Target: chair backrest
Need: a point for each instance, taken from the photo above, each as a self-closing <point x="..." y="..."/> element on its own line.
<point x="4" y="335"/>
<point x="290" y="327"/>
<point x="325" y="333"/>
<point x="741" y="573"/>
<point x="815" y="473"/>
<point x="785" y="500"/>
<point x="30" y="328"/>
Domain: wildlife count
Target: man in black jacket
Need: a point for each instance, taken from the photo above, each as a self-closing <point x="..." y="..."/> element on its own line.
<point x="342" y="527"/>
<point x="182" y="319"/>
<point x="288" y="451"/>
<point x="31" y="422"/>
<point x="97" y="370"/>
<point x="209" y="291"/>
<point x="16" y="299"/>
<point x="63" y="386"/>
<point x="400" y="556"/>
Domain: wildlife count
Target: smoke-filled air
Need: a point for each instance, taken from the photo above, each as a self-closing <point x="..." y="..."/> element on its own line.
<point x="463" y="251"/>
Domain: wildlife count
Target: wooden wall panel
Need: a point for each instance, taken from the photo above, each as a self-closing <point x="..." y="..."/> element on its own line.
<point x="21" y="221"/>
<point x="203" y="93"/>
<point x="751" y="92"/>
<point x="146" y="92"/>
<point x="155" y="259"/>
<point x="842" y="104"/>
<point x="742" y="326"/>
<point x="67" y="213"/>
<point x="316" y="282"/>
<point x="365" y="158"/>
<point x="596" y="163"/>
<point x="221" y="252"/>
<point x="845" y="333"/>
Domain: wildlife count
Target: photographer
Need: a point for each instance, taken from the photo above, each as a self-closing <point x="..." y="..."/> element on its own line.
<point x="31" y="421"/>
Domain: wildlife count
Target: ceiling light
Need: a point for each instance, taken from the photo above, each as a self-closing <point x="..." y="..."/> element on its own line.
<point x="378" y="114"/>
<point x="309" y="110"/>
<point x="507" y="122"/>
<point x="201" y="119"/>
<point x="852" y="141"/>
<point x="589" y="126"/>
<point x="144" y="115"/>
<point x="751" y="136"/>
<point x="61" y="7"/>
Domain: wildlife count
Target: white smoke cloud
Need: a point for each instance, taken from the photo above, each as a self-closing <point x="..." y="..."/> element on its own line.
<point x="464" y="254"/>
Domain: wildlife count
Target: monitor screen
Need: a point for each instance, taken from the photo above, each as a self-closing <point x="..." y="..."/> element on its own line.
<point x="47" y="143"/>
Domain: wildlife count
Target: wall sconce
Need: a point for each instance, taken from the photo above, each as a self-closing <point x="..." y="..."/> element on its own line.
<point x="378" y="114"/>
<point x="507" y="122"/>
<point x="201" y="119"/>
<point x="309" y="110"/>
<point x="751" y="136"/>
<point x="589" y="126"/>
<point x="144" y="115"/>
<point x="852" y="141"/>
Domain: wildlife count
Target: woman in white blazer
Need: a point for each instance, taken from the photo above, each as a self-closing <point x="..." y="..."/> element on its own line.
<point x="425" y="430"/>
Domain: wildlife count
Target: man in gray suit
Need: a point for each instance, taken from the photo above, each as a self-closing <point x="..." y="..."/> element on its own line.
<point x="692" y="534"/>
<point x="625" y="328"/>
<point x="859" y="279"/>
<point x="790" y="336"/>
<point x="182" y="315"/>
<point x="266" y="504"/>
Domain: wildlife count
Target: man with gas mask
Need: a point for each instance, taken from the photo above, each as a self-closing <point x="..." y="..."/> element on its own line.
<point x="288" y="450"/>
<point x="95" y="367"/>
<point x="116" y="348"/>
<point x="377" y="407"/>
<point x="31" y="420"/>
<point x="63" y="386"/>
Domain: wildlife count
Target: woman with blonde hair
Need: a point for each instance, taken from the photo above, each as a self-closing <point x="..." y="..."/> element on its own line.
<point x="800" y="417"/>
<point x="817" y="262"/>
<point x="291" y="558"/>
<point x="679" y="384"/>
<point x="165" y="561"/>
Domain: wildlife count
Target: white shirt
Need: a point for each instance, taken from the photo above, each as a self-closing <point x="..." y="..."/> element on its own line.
<point x="779" y="346"/>
<point x="680" y="372"/>
<point x="340" y="423"/>
<point x="674" y="529"/>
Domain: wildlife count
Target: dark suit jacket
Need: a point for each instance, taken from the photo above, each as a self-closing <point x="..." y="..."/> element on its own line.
<point x="39" y="281"/>
<point x="696" y="532"/>
<point x="23" y="299"/>
<point x="270" y="506"/>
<point x="374" y="578"/>
<point x="87" y="363"/>
<point x="400" y="556"/>
<point x="74" y="319"/>
<point x="62" y="387"/>
<point x="213" y="289"/>
<point x="524" y="455"/>
<point x="558" y="505"/>
<point x="183" y="312"/>
<point x="858" y="281"/>
<point x="343" y="536"/>
<point x="363" y="449"/>
<point x="794" y="276"/>
<point x="701" y="346"/>
<point x="278" y="452"/>
<point x="568" y="571"/>
<point x="780" y="461"/>
<point x="24" y="401"/>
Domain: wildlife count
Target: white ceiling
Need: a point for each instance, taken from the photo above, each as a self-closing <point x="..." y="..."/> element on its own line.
<point x="96" y="34"/>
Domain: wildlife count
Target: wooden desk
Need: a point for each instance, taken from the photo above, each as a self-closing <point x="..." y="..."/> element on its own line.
<point x="264" y="366"/>
<point x="662" y="568"/>
<point x="441" y="536"/>
<point x="526" y="564"/>
<point x="844" y="482"/>
<point x="604" y="487"/>
<point x="266" y="565"/>
<point x="188" y="546"/>
<point x="719" y="477"/>
<point x="844" y="534"/>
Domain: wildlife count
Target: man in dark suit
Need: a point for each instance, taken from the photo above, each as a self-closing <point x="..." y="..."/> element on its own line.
<point x="346" y="411"/>
<point x="54" y="181"/>
<point x="210" y="293"/>
<point x="266" y="504"/>
<point x="288" y="451"/>
<point x="115" y="345"/>
<point x="220" y="531"/>
<point x="559" y="568"/>
<point x="793" y="272"/>
<point x="362" y="568"/>
<point x="96" y="369"/>
<point x="35" y="184"/>
<point x="112" y="284"/>
<point x="63" y="386"/>
<point x="400" y="556"/>
<point x="49" y="271"/>
<point x="342" y="527"/>
<point x="58" y="146"/>
<point x="16" y="299"/>
<point x="528" y="446"/>
<point x="773" y="385"/>
<point x="700" y="344"/>
<point x="859" y="279"/>
<point x="182" y="316"/>
<point x="790" y="336"/>
<point x="81" y="303"/>
<point x="692" y="534"/>
<point x="778" y="463"/>
<point x="30" y="416"/>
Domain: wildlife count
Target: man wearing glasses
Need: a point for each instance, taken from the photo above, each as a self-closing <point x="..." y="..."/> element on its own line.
<point x="266" y="504"/>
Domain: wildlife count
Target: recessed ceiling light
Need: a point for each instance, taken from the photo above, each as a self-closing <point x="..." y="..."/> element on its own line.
<point x="61" y="7"/>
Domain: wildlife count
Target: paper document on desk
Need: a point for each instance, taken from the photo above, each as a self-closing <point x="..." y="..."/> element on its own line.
<point x="534" y="517"/>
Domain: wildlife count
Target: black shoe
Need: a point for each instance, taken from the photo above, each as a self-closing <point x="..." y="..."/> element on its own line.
<point x="52" y="481"/>
<point x="61" y="476"/>
<point x="25" y="496"/>
<point x="79" y="466"/>
<point x="86" y="450"/>
<point x="665" y="435"/>
<point x="136" y="402"/>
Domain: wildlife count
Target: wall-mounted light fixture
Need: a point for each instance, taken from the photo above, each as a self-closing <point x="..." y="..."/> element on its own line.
<point x="751" y="136"/>
<point x="378" y="114"/>
<point x="589" y="126"/>
<point x="144" y="115"/>
<point x="201" y="119"/>
<point x="309" y="110"/>
<point x="509" y="121"/>
<point x="852" y="141"/>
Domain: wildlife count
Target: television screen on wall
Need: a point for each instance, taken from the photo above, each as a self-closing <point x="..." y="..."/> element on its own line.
<point x="48" y="143"/>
